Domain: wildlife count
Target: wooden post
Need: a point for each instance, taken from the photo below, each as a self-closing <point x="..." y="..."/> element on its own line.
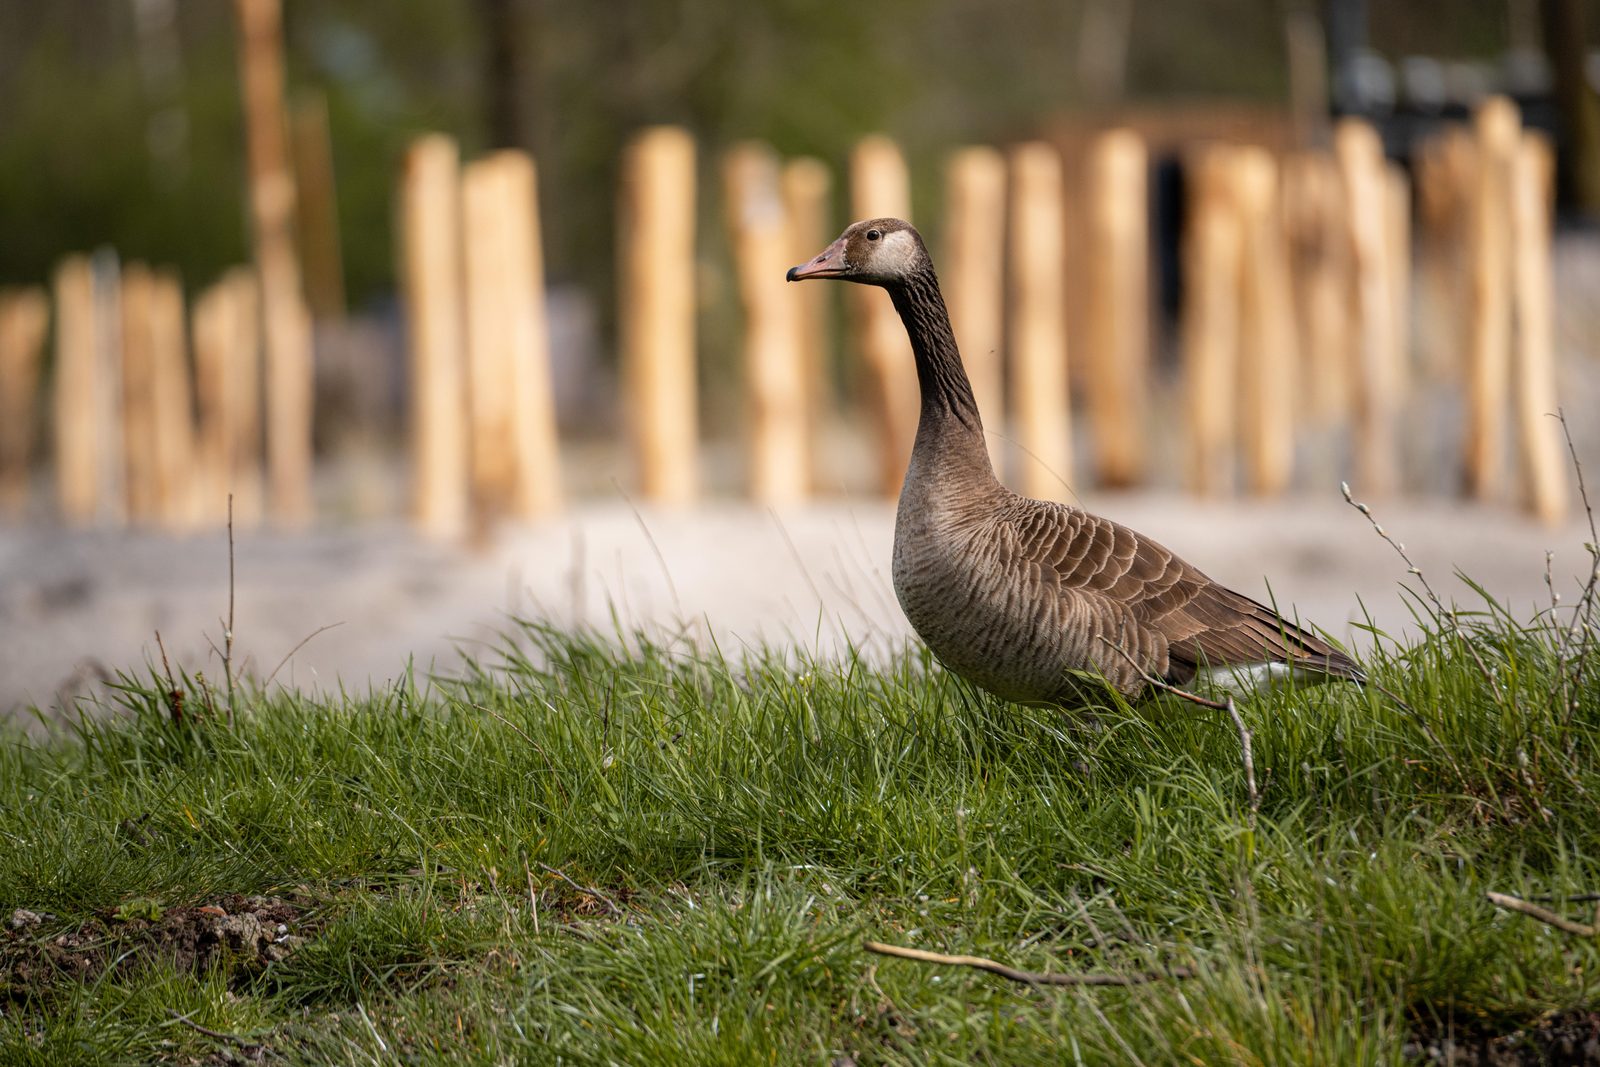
<point x="228" y="396"/>
<point x="430" y="275"/>
<point x="806" y="186"/>
<point x="287" y="327"/>
<point x="974" y="267"/>
<point x="535" y="439"/>
<point x="1489" y="367"/>
<point x="1043" y="427"/>
<point x="490" y="405"/>
<point x="142" y="478"/>
<point x="880" y="187"/>
<point x="171" y="404"/>
<point x="515" y="457"/>
<point x="80" y="438"/>
<point x="1118" y="337"/>
<point x="317" y="208"/>
<point x="656" y="311"/>
<point x="1444" y="174"/>
<point x="1397" y="250"/>
<point x="244" y="375"/>
<point x="1361" y="166"/>
<point x="1319" y="270"/>
<point x="1266" y="330"/>
<point x="775" y="384"/>
<point x="1534" y="380"/>
<point x="1211" y="273"/>
<point x="211" y="326"/>
<point x="24" y="315"/>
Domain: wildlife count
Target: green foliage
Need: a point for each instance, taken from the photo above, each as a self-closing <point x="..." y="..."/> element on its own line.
<point x="629" y="851"/>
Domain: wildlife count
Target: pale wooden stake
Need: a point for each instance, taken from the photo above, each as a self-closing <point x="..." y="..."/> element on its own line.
<point x="24" y="316"/>
<point x="1489" y="366"/>
<point x="1038" y="329"/>
<point x="1534" y="379"/>
<point x="775" y="385"/>
<point x="228" y="395"/>
<point x="656" y="312"/>
<point x="1266" y="331"/>
<point x="807" y="185"/>
<point x="430" y="274"/>
<point x="490" y="402"/>
<point x="974" y="264"/>
<point x="171" y="403"/>
<point x="535" y="439"/>
<point x="1397" y="249"/>
<point x="880" y="187"/>
<point x="317" y="207"/>
<point x="1319" y="273"/>
<point x="287" y="326"/>
<point x="142" y="479"/>
<point x="211" y="326"/>
<point x="1444" y="174"/>
<point x="1211" y="273"/>
<point x="244" y="376"/>
<point x="1361" y="167"/>
<point x="1116" y="380"/>
<point x="81" y="438"/>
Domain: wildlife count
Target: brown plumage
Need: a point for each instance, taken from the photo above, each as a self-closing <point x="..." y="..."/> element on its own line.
<point x="1025" y="597"/>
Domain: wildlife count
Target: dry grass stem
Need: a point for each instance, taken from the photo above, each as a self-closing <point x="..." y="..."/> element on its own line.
<point x="1026" y="977"/>
<point x="1544" y="915"/>
<point x="590" y="890"/>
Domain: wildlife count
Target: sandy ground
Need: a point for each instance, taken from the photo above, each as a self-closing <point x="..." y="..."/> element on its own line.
<point x="77" y="607"/>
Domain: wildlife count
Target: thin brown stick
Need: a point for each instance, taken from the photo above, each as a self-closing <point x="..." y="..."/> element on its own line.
<point x="287" y="656"/>
<point x="1411" y="568"/>
<point x="1027" y="977"/>
<point x="1445" y="616"/>
<point x="1544" y="915"/>
<point x="218" y="1034"/>
<point x="588" y="889"/>
<point x="1583" y="611"/>
<point x="174" y="694"/>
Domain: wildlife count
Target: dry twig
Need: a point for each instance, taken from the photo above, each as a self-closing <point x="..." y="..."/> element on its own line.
<point x="174" y="694"/>
<point x="610" y="904"/>
<point x="304" y="641"/>
<point x="1026" y="977"/>
<point x="1583" y="610"/>
<point x="218" y="1034"/>
<point x="1545" y="915"/>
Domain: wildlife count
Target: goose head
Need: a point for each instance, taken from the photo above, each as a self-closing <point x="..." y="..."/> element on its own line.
<point x="874" y="252"/>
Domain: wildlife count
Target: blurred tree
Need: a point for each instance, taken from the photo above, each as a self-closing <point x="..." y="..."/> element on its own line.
<point x="1566" y="42"/>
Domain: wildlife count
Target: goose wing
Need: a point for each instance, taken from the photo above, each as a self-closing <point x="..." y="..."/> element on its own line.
<point x="1127" y="590"/>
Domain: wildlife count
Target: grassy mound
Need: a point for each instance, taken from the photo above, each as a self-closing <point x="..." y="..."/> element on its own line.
<point x="592" y="851"/>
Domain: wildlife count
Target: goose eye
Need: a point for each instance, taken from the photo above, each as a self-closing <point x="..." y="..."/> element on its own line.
<point x="873" y="235"/>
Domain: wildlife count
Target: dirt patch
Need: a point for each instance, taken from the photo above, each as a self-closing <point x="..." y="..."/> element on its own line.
<point x="1571" y="1039"/>
<point x="248" y="931"/>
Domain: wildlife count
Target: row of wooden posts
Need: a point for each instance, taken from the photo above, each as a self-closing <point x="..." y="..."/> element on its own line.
<point x="1298" y="310"/>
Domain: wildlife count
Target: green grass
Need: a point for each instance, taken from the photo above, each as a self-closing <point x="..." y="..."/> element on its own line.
<point x="752" y="822"/>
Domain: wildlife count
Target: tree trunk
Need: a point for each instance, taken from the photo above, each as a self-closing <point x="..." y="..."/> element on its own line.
<point x="1565" y="42"/>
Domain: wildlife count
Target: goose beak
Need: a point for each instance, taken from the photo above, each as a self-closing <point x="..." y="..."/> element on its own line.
<point x="829" y="263"/>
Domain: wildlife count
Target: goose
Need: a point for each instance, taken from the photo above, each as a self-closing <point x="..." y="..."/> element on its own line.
<point x="1036" y="601"/>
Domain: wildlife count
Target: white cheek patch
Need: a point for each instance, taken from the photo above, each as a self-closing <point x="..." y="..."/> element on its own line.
<point x="899" y="250"/>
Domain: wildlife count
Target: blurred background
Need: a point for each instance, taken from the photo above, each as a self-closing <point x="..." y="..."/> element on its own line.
<point x="255" y="247"/>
